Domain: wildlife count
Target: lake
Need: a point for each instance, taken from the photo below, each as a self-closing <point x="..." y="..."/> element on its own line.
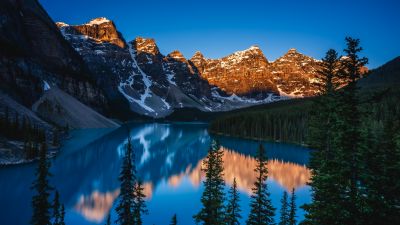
<point x="168" y="160"/>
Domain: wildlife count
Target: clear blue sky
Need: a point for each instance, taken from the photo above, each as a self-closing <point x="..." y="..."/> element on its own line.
<point x="218" y="27"/>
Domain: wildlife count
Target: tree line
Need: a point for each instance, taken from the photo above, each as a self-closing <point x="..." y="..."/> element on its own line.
<point x="20" y="128"/>
<point x="285" y="123"/>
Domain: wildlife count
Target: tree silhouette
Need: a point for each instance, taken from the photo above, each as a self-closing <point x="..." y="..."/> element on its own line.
<point x="174" y="220"/>
<point x="127" y="195"/>
<point x="233" y="207"/>
<point x="40" y="201"/>
<point x="284" y="218"/>
<point x="212" y="198"/>
<point x="261" y="210"/>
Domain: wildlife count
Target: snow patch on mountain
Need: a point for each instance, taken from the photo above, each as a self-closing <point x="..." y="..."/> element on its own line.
<point x="98" y="21"/>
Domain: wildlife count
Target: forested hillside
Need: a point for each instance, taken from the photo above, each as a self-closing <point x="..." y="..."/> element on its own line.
<point x="282" y="121"/>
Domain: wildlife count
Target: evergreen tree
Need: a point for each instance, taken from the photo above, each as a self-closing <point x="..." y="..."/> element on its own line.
<point x="261" y="210"/>
<point x="56" y="209"/>
<point x="127" y="195"/>
<point x="212" y="212"/>
<point x="174" y="220"/>
<point x="233" y="207"/>
<point x="40" y="201"/>
<point x="139" y="207"/>
<point x="335" y="133"/>
<point x="292" y="211"/>
<point x="348" y="138"/>
<point x="284" y="218"/>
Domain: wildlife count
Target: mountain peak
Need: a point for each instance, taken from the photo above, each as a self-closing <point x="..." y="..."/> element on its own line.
<point x="197" y="56"/>
<point x="101" y="29"/>
<point x="98" y="21"/>
<point x="176" y="55"/>
<point x="61" y="24"/>
<point x="146" y="45"/>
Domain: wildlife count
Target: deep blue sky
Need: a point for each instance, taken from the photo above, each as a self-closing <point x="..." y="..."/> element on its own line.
<point x="218" y="27"/>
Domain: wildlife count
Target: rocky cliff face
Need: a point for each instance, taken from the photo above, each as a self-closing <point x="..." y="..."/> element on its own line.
<point x="33" y="51"/>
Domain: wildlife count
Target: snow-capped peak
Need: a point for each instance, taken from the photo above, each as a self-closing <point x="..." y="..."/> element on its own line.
<point x="61" y="24"/>
<point x="98" y="21"/>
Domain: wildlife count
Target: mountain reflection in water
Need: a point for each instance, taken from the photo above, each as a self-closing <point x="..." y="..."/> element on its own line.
<point x="168" y="159"/>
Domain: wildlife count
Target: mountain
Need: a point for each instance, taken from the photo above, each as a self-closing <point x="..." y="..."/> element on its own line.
<point x="157" y="85"/>
<point x="33" y="51"/>
<point x="294" y="74"/>
<point x="35" y="56"/>
<point x="383" y="76"/>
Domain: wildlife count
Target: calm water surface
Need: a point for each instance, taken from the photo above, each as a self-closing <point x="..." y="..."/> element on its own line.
<point x="168" y="157"/>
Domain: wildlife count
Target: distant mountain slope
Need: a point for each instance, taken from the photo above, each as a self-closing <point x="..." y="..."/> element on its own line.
<point x="383" y="76"/>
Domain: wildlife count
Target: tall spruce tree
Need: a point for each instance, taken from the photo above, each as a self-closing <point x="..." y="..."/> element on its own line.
<point x="349" y="143"/>
<point x="261" y="210"/>
<point x="174" y="220"/>
<point x="323" y="130"/>
<point x="127" y="196"/>
<point x="233" y="208"/>
<point x="139" y="207"/>
<point x="284" y="217"/>
<point x="292" y="211"/>
<point x="40" y="201"/>
<point x="212" y="212"/>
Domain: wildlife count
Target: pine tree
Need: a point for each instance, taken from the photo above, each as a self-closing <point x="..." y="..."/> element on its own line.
<point x="292" y="211"/>
<point x="174" y="220"/>
<point x="233" y="207"/>
<point x="56" y="209"/>
<point x="284" y="218"/>
<point x="325" y="135"/>
<point x="213" y="195"/>
<point x="349" y="136"/>
<point x="40" y="201"/>
<point x="261" y="210"/>
<point x="139" y="207"/>
<point x="127" y="196"/>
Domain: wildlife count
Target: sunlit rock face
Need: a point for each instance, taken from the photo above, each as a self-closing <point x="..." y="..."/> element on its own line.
<point x="294" y="74"/>
<point x="236" y="165"/>
<point x="100" y="29"/>
<point x="244" y="73"/>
